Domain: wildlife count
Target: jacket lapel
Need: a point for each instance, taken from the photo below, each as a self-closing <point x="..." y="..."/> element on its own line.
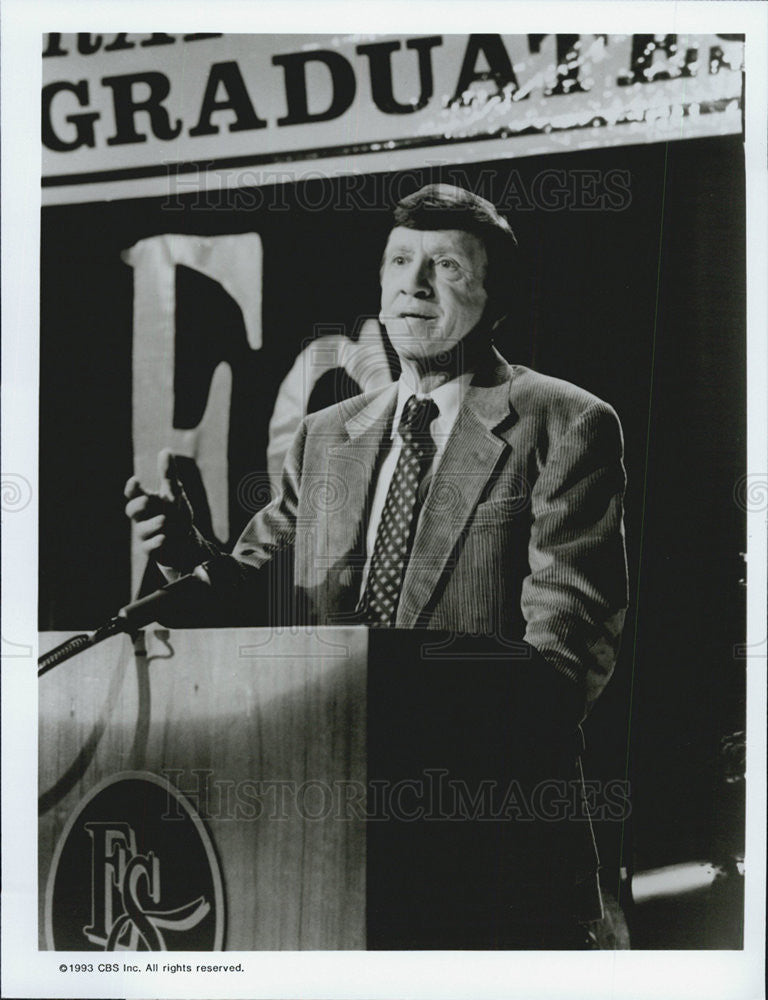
<point x="471" y="455"/>
<point x="350" y="469"/>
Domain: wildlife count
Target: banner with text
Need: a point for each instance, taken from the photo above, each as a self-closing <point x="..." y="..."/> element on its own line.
<point x="129" y="115"/>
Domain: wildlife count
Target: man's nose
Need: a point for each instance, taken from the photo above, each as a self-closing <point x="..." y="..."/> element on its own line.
<point x="417" y="278"/>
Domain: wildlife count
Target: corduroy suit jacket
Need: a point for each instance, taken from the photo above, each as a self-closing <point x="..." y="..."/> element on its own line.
<point x="520" y="536"/>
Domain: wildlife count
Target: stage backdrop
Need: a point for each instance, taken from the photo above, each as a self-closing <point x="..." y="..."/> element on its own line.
<point x="212" y="226"/>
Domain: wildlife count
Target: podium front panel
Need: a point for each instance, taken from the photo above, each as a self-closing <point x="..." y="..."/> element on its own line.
<point x="257" y="789"/>
<point x="263" y="733"/>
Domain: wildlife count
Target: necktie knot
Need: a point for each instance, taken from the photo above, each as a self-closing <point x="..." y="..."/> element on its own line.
<point x="417" y="415"/>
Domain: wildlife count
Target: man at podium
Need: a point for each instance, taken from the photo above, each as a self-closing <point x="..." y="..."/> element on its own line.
<point x="479" y="497"/>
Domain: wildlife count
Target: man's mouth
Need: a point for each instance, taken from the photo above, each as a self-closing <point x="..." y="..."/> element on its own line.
<point x="412" y="314"/>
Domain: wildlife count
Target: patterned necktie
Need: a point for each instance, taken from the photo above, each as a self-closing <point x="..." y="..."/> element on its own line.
<point x="398" y="520"/>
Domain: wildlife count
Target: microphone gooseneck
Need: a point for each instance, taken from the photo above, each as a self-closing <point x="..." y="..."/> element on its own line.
<point x="188" y="591"/>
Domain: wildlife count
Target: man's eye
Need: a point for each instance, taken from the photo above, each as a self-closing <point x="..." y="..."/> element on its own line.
<point x="398" y="259"/>
<point x="447" y="264"/>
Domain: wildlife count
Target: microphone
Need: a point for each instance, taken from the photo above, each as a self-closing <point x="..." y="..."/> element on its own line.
<point x="184" y="594"/>
<point x="214" y="589"/>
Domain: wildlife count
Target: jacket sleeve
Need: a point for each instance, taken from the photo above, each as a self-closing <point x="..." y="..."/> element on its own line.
<point x="273" y="528"/>
<point x="575" y="597"/>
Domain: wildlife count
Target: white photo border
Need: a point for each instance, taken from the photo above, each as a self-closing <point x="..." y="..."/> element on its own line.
<point x="29" y="973"/>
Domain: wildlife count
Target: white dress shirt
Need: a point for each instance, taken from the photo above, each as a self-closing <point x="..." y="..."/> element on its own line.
<point x="448" y="397"/>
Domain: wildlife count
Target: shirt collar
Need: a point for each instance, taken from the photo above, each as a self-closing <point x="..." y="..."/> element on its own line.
<point x="448" y="397"/>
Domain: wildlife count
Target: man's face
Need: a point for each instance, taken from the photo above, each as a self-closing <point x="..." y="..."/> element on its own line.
<point x="432" y="292"/>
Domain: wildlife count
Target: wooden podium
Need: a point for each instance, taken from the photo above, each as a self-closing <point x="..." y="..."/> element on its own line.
<point x="211" y="711"/>
<point x="312" y="763"/>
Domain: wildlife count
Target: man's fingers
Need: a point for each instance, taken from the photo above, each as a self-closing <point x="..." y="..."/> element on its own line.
<point x="146" y="506"/>
<point x="170" y="485"/>
<point x="136" y="508"/>
<point x="152" y="527"/>
<point x="152" y="544"/>
<point x="133" y="488"/>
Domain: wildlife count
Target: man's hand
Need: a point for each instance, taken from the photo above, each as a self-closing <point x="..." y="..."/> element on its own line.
<point x="164" y="519"/>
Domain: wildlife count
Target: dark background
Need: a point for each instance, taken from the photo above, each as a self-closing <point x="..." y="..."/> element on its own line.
<point x="644" y="306"/>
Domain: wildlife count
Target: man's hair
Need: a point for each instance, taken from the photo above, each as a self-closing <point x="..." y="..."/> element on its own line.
<point x="444" y="206"/>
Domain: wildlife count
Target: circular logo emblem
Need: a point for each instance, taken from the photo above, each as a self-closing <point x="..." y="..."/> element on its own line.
<point x="134" y="870"/>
